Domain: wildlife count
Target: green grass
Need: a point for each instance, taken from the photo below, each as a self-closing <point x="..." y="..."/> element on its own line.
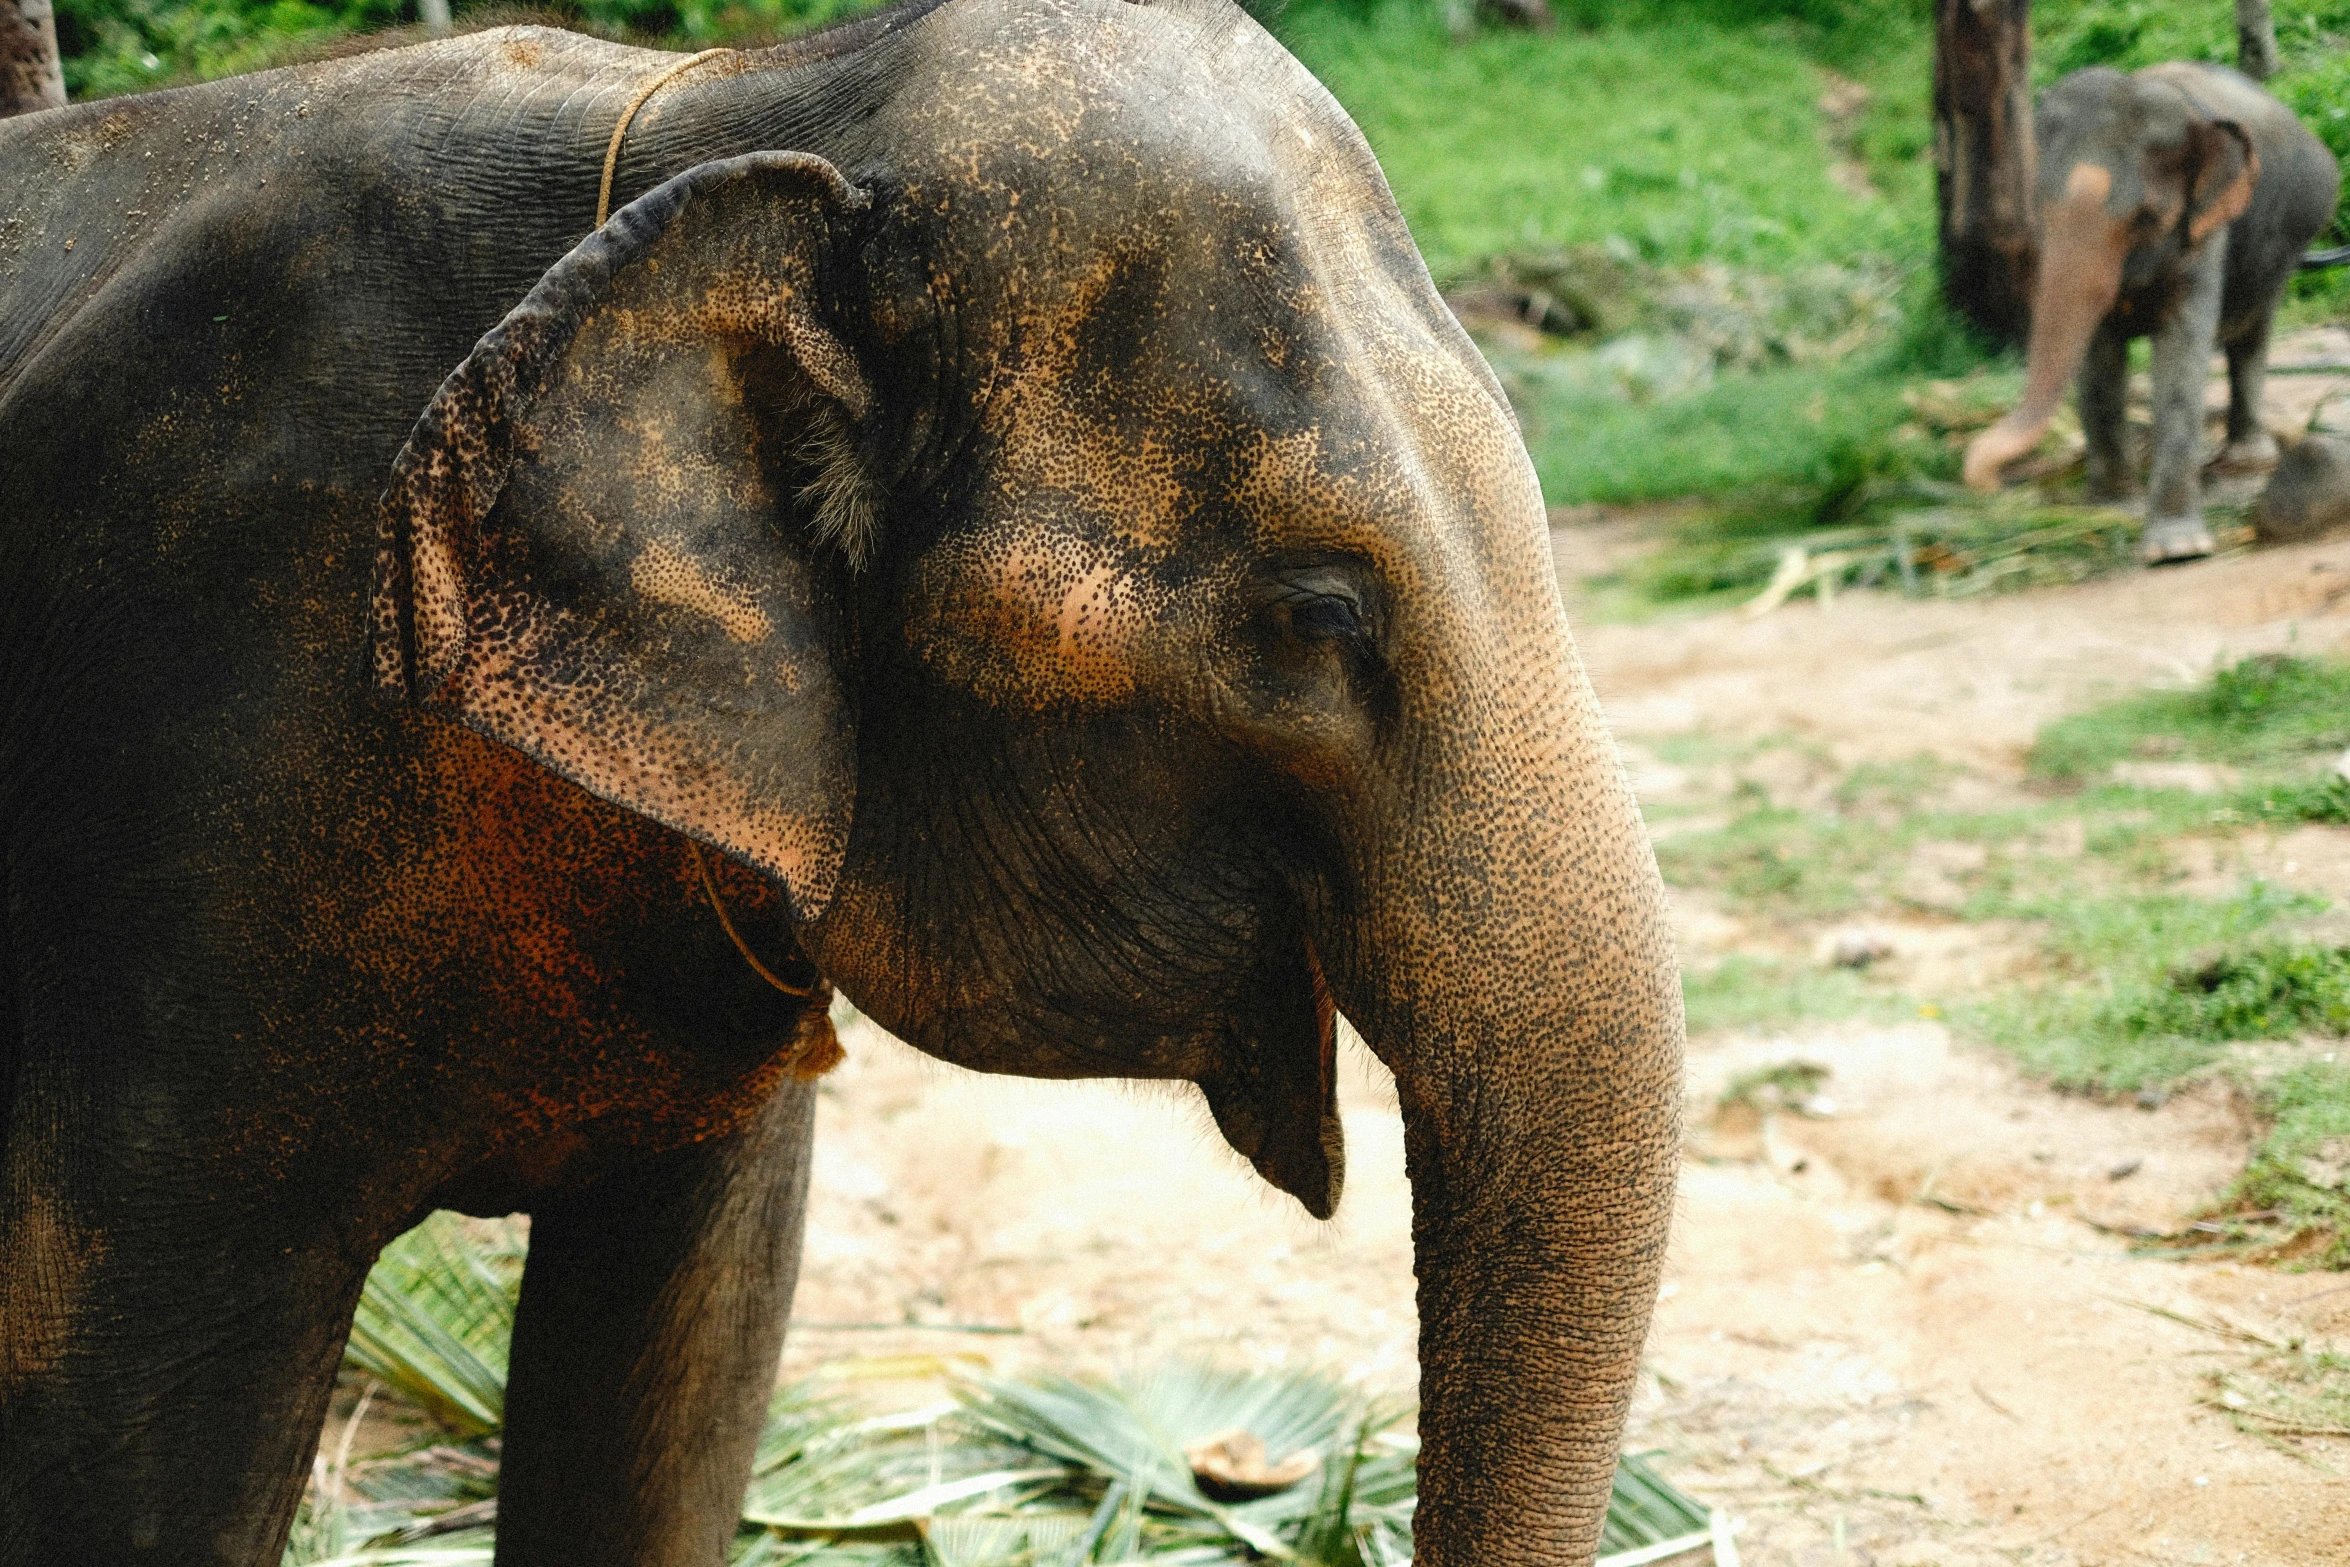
<point x="1748" y="992"/>
<point x="1668" y="135"/>
<point x="2299" y="1168"/>
<point x="121" y="46"/>
<point x="1786" y="1085"/>
<point x="1692" y="139"/>
<point x="2288" y="1391"/>
<point x="2263" y="711"/>
<point x="2126" y="1009"/>
<point x="2268" y="990"/>
<point x="1801" y="429"/>
<point x="2144" y="985"/>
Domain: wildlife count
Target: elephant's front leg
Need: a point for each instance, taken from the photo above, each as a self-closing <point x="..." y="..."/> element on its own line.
<point x="2250" y="446"/>
<point x="645" y="1350"/>
<point x="167" y="1353"/>
<point x="2182" y="356"/>
<point x="2105" y="395"/>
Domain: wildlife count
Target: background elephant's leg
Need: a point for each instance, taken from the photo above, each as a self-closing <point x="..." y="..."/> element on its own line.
<point x="2182" y="357"/>
<point x="645" y="1351"/>
<point x="2105" y="395"/>
<point x="2249" y="443"/>
<point x="164" y="1366"/>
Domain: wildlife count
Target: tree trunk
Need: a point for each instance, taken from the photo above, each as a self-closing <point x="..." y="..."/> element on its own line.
<point x="2256" y="40"/>
<point x="1985" y="161"/>
<point x="29" y="74"/>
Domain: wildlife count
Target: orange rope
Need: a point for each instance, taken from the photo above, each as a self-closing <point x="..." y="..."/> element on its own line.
<point x="612" y="149"/>
<point x="718" y="907"/>
<point x="603" y="211"/>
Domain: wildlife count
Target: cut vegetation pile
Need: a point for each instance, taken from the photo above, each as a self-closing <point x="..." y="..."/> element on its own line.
<point x="1185" y="1464"/>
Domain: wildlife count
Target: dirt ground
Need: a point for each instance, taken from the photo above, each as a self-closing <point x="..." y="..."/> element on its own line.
<point x="1904" y="1333"/>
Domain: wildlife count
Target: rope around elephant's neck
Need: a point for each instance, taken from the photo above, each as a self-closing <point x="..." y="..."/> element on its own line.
<point x="726" y="923"/>
<point x="603" y="211"/>
<point x="612" y="148"/>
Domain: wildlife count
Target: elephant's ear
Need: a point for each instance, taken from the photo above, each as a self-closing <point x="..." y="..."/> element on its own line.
<point x="588" y="550"/>
<point x="2225" y="170"/>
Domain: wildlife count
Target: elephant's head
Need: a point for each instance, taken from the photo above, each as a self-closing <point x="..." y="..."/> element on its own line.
<point x="2133" y="177"/>
<point x="1066" y="542"/>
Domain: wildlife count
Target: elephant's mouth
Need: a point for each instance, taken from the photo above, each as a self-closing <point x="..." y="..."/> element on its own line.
<point x="1275" y="1098"/>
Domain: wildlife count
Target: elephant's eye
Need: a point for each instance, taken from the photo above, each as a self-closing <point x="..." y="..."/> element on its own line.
<point x="1326" y="617"/>
<point x="1323" y="615"/>
<point x="1322" y="622"/>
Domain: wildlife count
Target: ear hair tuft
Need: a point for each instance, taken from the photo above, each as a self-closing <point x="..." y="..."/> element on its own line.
<point x="846" y="502"/>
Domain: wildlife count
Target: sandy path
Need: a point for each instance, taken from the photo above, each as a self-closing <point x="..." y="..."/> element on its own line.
<point x="1861" y="1378"/>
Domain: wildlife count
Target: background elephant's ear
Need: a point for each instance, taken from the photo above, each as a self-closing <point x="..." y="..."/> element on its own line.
<point x="588" y="550"/>
<point x="2225" y="170"/>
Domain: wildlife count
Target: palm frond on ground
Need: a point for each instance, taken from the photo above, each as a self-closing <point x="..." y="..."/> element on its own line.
<point x="1184" y="1465"/>
<point x="434" y="1321"/>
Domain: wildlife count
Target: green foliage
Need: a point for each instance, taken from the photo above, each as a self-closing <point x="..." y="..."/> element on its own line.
<point x="2268" y="710"/>
<point x="1823" y="864"/>
<point x="2144" y="986"/>
<point x="1893" y="786"/>
<point x="2126" y="1009"/>
<point x="1952" y="549"/>
<point x="1787" y="1085"/>
<point x="119" y="46"/>
<point x="1935" y="340"/>
<point x="1671" y="134"/>
<point x="2072" y="35"/>
<point x="2302" y="1170"/>
<point x="434" y="1320"/>
<point x="2289" y="1390"/>
<point x="1785" y="441"/>
<point x="2272" y="990"/>
<point x="1644" y="1509"/>
<point x="2318" y="90"/>
<point x="1131" y="1436"/>
<point x="2325" y="798"/>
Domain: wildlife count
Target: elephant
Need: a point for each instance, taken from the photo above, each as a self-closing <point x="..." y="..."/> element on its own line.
<point x="997" y="524"/>
<point x="2174" y="203"/>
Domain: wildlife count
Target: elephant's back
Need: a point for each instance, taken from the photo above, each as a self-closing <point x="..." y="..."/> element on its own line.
<point x="442" y="160"/>
<point x="221" y="310"/>
<point x="2222" y="93"/>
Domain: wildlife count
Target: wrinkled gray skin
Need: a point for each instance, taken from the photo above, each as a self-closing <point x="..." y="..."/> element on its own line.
<point x="2173" y="204"/>
<point x="1005" y="483"/>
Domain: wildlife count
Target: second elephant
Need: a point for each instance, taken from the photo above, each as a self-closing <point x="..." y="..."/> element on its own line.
<point x="2174" y="204"/>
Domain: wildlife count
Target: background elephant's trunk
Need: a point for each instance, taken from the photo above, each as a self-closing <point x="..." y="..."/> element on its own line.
<point x="2081" y="254"/>
<point x="1524" y="992"/>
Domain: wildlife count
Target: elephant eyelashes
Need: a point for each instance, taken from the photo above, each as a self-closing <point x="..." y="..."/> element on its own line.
<point x="1326" y="618"/>
<point x="1326" y="624"/>
<point x="1327" y="601"/>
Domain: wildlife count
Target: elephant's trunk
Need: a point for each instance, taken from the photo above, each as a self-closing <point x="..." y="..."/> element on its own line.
<point x="1522" y="988"/>
<point x="2082" y="248"/>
